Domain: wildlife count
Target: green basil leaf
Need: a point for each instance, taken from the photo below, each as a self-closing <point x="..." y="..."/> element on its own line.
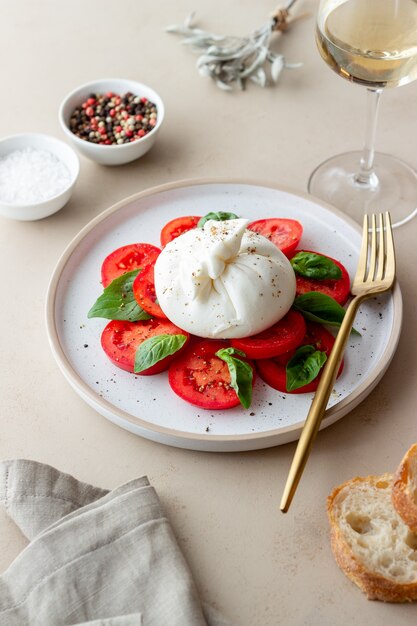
<point x="316" y="266"/>
<point x="232" y="351"/>
<point x="220" y="216"/>
<point x="304" y="367"/>
<point x="117" y="301"/>
<point x="156" y="348"/>
<point x="241" y="374"/>
<point x="320" y="308"/>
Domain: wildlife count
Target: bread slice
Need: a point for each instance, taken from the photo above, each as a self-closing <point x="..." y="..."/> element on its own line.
<point x="404" y="489"/>
<point x="370" y="541"/>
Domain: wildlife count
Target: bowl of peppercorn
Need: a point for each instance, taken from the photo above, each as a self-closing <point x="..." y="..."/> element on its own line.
<point x="112" y="121"/>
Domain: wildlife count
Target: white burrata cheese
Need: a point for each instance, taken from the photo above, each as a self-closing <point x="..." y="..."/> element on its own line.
<point x="223" y="281"/>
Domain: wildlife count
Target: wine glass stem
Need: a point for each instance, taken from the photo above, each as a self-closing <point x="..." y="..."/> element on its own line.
<point x="366" y="176"/>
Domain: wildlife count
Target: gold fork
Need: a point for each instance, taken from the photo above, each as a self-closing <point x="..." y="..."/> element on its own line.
<point x="375" y="274"/>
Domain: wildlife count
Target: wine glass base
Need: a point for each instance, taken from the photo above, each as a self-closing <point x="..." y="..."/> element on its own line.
<point x="395" y="189"/>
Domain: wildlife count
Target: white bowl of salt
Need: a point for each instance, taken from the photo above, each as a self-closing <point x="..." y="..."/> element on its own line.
<point x="37" y="176"/>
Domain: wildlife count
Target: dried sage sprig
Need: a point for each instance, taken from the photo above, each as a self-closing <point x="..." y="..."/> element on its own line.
<point x="234" y="60"/>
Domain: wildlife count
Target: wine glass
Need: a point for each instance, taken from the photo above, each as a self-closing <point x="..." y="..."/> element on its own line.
<point x="372" y="43"/>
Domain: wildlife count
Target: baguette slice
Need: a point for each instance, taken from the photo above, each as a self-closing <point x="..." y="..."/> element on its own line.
<point x="404" y="489"/>
<point x="370" y="542"/>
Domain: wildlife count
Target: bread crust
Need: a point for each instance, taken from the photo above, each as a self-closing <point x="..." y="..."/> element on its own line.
<point x="374" y="585"/>
<point x="402" y="491"/>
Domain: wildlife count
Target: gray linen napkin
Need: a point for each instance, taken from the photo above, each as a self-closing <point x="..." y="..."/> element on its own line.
<point x="96" y="557"/>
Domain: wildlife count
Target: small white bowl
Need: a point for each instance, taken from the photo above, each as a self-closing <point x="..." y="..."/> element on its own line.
<point x="67" y="156"/>
<point x="113" y="154"/>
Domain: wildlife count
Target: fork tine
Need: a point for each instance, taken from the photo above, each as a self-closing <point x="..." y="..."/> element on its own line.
<point x="381" y="248"/>
<point x="363" y="256"/>
<point x="372" y="260"/>
<point x="390" y="253"/>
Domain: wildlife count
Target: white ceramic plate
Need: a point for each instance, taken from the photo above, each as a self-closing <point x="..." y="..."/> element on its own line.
<point x="146" y="405"/>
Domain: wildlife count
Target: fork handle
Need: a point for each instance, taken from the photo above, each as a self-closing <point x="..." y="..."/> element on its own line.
<point x="319" y="403"/>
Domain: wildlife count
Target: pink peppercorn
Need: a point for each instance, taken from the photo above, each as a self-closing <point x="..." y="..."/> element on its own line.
<point x="112" y="119"/>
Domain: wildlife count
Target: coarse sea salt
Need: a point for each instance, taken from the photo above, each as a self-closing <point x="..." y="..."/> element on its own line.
<point x="30" y="175"/>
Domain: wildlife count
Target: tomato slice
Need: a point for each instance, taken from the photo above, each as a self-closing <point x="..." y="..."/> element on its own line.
<point x="283" y="232"/>
<point x="120" y="340"/>
<point x="338" y="289"/>
<point x="273" y="372"/>
<point x="126" y="259"/>
<point x="144" y="292"/>
<point x="283" y="336"/>
<point x="201" y="378"/>
<point x="177" y="227"/>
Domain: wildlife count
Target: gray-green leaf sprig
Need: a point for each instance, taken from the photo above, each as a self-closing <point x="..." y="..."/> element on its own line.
<point x="234" y="60"/>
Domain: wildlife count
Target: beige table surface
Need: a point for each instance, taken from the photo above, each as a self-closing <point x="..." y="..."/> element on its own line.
<point x="255" y="564"/>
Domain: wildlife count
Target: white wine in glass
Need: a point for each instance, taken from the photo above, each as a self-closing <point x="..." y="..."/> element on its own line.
<point x="371" y="43"/>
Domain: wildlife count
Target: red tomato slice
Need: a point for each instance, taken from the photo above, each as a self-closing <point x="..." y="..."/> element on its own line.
<point x="283" y="232"/>
<point x="144" y="292"/>
<point x="177" y="227"/>
<point x="338" y="289"/>
<point x="273" y="372"/>
<point x="126" y="259"/>
<point x="283" y="336"/>
<point x="120" y="340"/>
<point x="202" y="378"/>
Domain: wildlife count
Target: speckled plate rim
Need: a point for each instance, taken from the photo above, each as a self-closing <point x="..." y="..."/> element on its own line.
<point x="206" y="441"/>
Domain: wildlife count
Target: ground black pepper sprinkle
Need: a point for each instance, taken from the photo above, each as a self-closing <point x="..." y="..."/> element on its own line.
<point x="111" y="119"/>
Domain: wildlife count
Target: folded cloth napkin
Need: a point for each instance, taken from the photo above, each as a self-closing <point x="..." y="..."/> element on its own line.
<point x="96" y="557"/>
